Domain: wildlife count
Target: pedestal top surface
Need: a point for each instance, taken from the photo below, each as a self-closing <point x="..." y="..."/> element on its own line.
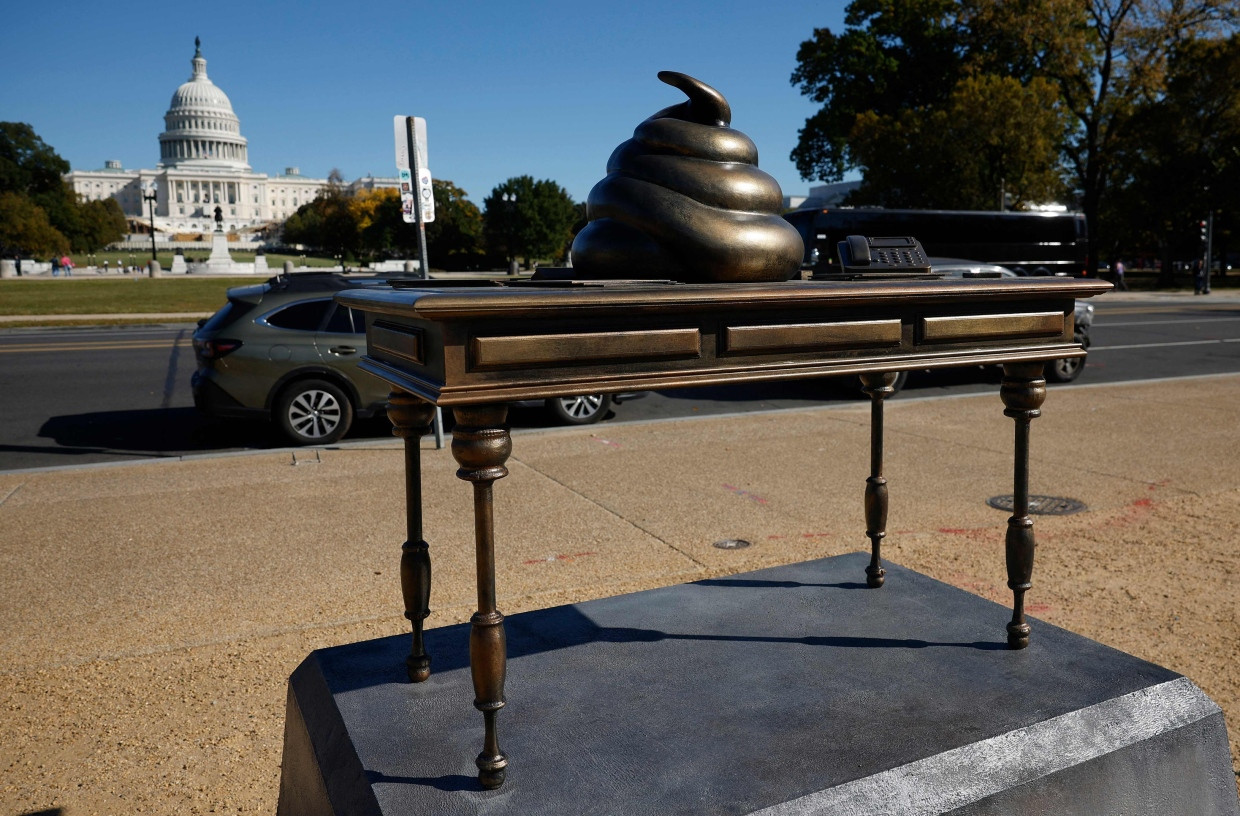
<point x="732" y="695"/>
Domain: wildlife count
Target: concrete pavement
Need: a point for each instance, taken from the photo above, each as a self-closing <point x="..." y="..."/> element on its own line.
<point x="152" y="613"/>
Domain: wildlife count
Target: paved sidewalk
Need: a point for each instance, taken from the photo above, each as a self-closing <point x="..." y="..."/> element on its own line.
<point x="151" y="614"/>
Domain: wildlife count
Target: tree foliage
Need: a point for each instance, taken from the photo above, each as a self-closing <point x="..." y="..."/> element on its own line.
<point x="1181" y="156"/>
<point x="24" y="228"/>
<point x="991" y="137"/>
<point x="1057" y="86"/>
<point x="535" y="221"/>
<point x="41" y="214"/>
<point x="893" y="56"/>
<point x="369" y="226"/>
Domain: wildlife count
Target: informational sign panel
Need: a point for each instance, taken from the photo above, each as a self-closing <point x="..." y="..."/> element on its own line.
<point x="402" y="142"/>
<point x="422" y="190"/>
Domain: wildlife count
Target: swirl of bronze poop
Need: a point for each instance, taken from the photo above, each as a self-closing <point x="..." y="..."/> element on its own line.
<point x="684" y="200"/>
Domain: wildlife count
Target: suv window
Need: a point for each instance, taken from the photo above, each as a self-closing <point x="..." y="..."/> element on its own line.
<point x="345" y="321"/>
<point x="305" y="316"/>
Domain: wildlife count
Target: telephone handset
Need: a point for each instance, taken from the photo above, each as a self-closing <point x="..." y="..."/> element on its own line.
<point x="896" y="256"/>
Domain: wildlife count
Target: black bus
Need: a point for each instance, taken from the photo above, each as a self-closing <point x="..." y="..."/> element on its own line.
<point x="1028" y="243"/>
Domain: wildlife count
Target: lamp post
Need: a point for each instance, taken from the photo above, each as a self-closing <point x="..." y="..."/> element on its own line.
<point x="510" y="209"/>
<point x="150" y="199"/>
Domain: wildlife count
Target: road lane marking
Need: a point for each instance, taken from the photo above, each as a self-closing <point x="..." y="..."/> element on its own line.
<point x="1092" y="349"/>
<point x="1108" y="324"/>
<point x="122" y="346"/>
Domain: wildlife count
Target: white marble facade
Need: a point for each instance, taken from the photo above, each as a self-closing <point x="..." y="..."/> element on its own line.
<point x="203" y="164"/>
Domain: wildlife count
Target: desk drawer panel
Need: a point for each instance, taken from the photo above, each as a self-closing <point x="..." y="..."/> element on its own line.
<point x="398" y="341"/>
<point x="958" y="328"/>
<point x="810" y="336"/>
<point x="583" y="347"/>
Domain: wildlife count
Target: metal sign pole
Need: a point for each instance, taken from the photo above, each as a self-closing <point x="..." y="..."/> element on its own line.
<point x="411" y="135"/>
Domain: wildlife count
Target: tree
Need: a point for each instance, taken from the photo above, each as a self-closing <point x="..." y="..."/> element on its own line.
<point x="1180" y="158"/>
<point x="24" y="228"/>
<point x="1106" y="56"/>
<point x="27" y="164"/>
<point x="327" y="222"/>
<point x="31" y="169"/>
<point x="455" y="236"/>
<point x="534" y="222"/>
<point x="991" y="138"/>
<point x="893" y="56"/>
<point x="103" y="222"/>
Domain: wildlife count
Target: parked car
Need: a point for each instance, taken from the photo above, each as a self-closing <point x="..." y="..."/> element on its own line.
<point x="960" y="268"/>
<point x="286" y="351"/>
<point x="1062" y="371"/>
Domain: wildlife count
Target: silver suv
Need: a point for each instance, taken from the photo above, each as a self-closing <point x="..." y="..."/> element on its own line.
<point x="284" y="350"/>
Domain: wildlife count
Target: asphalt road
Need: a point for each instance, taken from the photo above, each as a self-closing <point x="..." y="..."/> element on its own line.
<point x="83" y="395"/>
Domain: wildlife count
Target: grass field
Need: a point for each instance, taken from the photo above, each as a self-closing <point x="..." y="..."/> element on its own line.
<point x="114" y="295"/>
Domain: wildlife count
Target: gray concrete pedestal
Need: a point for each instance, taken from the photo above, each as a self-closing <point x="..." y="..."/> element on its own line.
<point x="785" y="692"/>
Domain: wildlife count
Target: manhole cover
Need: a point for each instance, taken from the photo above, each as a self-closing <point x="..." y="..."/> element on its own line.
<point x="1040" y="505"/>
<point x="732" y="544"/>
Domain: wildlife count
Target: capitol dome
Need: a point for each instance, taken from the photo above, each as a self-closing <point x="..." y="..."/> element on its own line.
<point x="201" y="129"/>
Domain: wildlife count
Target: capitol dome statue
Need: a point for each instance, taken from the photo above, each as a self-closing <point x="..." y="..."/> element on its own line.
<point x="202" y="130"/>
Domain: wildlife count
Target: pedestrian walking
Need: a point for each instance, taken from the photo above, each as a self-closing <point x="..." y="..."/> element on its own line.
<point x="1120" y="284"/>
<point x="1198" y="277"/>
<point x="55" y="267"/>
<point x="18" y="258"/>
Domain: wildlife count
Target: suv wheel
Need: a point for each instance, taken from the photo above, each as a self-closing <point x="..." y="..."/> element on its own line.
<point x="579" y="410"/>
<point x="314" y="412"/>
<point x="1067" y="369"/>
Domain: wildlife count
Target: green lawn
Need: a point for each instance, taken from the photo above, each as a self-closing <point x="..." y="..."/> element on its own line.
<point x="118" y="295"/>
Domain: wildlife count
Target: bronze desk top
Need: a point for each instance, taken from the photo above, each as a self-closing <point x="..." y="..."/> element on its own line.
<point x="458" y="345"/>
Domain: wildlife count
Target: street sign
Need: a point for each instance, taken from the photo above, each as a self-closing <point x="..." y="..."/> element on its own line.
<point x="417" y="198"/>
<point x="402" y="141"/>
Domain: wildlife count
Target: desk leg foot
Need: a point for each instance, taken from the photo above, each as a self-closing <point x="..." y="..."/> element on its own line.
<point x="1023" y="392"/>
<point x="411" y="420"/>
<point x="487" y="651"/>
<point x="878" y="387"/>
<point x="481" y="444"/>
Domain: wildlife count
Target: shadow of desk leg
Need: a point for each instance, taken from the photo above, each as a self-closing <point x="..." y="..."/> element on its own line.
<point x="878" y="387"/>
<point x="411" y="420"/>
<point x="1023" y="391"/>
<point x="481" y="444"/>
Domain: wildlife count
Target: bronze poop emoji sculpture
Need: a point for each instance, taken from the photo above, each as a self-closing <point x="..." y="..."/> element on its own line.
<point x="684" y="200"/>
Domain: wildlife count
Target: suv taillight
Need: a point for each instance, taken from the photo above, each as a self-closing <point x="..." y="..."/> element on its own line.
<point x="215" y="349"/>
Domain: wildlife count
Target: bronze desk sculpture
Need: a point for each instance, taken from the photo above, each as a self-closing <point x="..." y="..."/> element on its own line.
<point x="475" y="349"/>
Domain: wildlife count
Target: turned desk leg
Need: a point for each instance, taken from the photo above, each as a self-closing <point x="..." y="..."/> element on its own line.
<point x="411" y="420"/>
<point x="878" y="387"/>
<point x="1023" y="392"/>
<point x="481" y="444"/>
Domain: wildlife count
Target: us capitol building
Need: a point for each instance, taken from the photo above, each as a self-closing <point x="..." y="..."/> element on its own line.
<point x="203" y="163"/>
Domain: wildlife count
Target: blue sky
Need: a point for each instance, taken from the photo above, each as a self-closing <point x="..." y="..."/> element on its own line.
<point x="507" y="88"/>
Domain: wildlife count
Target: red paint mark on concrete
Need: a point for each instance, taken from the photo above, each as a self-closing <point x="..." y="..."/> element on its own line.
<point x="745" y="494"/>
<point x="1134" y="513"/>
<point x="1037" y="608"/>
<point x="607" y="442"/>
<point x="563" y="557"/>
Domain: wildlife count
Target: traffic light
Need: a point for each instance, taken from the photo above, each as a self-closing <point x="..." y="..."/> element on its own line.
<point x="1204" y="232"/>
